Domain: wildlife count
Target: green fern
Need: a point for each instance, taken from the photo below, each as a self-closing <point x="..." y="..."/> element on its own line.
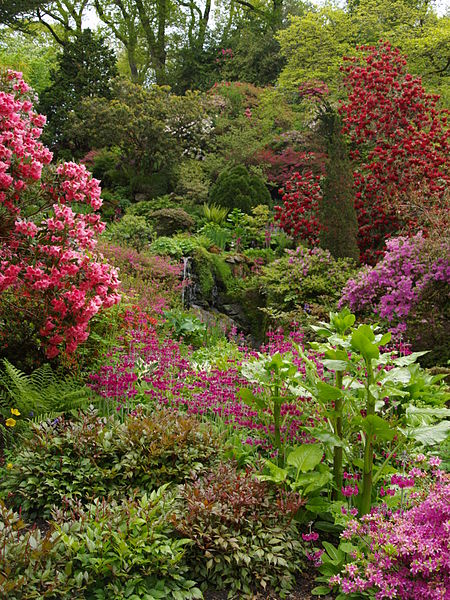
<point x="44" y="391"/>
<point x="214" y="213"/>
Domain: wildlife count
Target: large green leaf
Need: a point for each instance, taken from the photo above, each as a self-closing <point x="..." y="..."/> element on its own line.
<point x="319" y="482"/>
<point x="404" y="361"/>
<point x="321" y="331"/>
<point x="305" y="458"/>
<point x="398" y="375"/>
<point x="375" y="425"/>
<point x="430" y="435"/>
<point x="321" y="590"/>
<point x="327" y="392"/>
<point x="335" y="365"/>
<point x="318" y="505"/>
<point x="249" y="398"/>
<point x="362" y="340"/>
<point x="277" y="474"/>
<point x="327" y="438"/>
<point x="385" y="339"/>
<point x="335" y="554"/>
<point x="304" y="480"/>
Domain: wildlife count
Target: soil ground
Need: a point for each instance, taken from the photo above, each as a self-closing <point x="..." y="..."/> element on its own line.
<point x="302" y="591"/>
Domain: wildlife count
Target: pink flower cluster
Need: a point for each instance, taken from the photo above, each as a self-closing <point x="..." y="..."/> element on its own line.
<point x="409" y="554"/>
<point x="402" y="481"/>
<point x="153" y="282"/>
<point x="310" y="537"/>
<point x="350" y="490"/>
<point x="22" y="157"/>
<point x="47" y="259"/>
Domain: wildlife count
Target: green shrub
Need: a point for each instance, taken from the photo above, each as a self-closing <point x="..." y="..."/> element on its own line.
<point x="105" y="167"/>
<point x="339" y="233"/>
<point x="153" y="185"/>
<point x="131" y="231"/>
<point x="95" y="457"/>
<point x="217" y="235"/>
<point x="145" y="208"/>
<point x="29" y="562"/>
<point x="176" y="247"/>
<point x="114" y="202"/>
<point x="281" y="242"/>
<point x="237" y="188"/>
<point x="266" y="255"/>
<point x="168" y="221"/>
<point x="126" y="550"/>
<point x="244" y="538"/>
<point x="304" y="283"/>
<point x="187" y="327"/>
<point x="258" y="224"/>
<point x="106" y="550"/>
<point x="192" y="182"/>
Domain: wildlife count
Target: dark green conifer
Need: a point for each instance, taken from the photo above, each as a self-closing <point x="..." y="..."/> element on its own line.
<point x="337" y="211"/>
<point x="237" y="188"/>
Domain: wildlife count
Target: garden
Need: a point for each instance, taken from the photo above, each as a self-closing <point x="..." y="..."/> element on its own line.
<point x="224" y="301"/>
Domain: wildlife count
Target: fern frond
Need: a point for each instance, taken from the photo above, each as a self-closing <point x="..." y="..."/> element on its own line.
<point x="40" y="393"/>
<point x="48" y="416"/>
<point x="43" y="378"/>
<point x="18" y="391"/>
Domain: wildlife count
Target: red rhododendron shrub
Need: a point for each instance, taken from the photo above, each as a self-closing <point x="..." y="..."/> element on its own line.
<point x="299" y="215"/>
<point x="400" y="145"/>
<point x="51" y="281"/>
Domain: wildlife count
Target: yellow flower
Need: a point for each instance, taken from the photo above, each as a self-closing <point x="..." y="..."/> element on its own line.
<point x="9" y="466"/>
<point x="14" y="411"/>
<point x="10" y="422"/>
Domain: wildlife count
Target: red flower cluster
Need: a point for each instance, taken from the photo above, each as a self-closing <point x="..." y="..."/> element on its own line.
<point x="299" y="215"/>
<point x="47" y="231"/>
<point x="400" y="141"/>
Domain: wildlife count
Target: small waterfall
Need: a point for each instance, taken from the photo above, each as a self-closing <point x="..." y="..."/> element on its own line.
<point x="214" y="295"/>
<point x="186" y="290"/>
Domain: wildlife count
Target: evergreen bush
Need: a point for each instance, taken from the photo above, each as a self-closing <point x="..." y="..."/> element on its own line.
<point x="168" y="221"/>
<point x="237" y="188"/>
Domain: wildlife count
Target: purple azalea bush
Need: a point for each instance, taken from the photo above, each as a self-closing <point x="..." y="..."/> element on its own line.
<point x="392" y="288"/>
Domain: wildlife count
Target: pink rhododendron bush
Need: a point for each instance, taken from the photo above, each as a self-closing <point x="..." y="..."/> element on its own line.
<point x="51" y="281"/>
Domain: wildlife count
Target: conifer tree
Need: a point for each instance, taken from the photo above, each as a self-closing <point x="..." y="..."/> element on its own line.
<point x="337" y="212"/>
